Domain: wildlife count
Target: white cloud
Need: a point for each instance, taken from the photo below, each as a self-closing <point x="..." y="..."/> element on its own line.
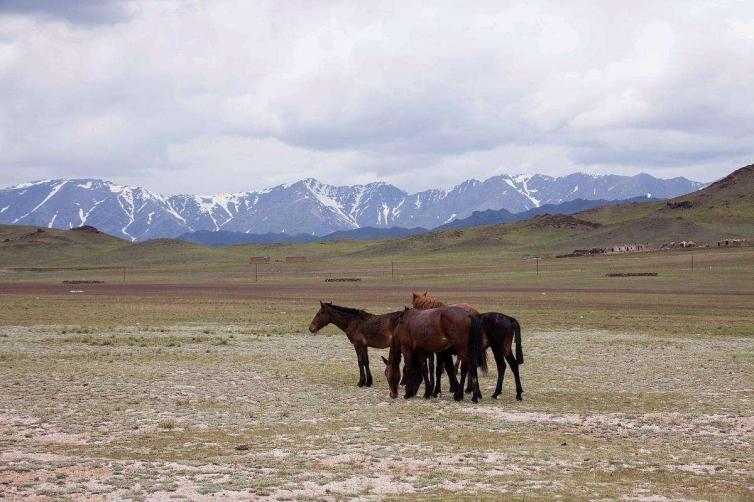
<point x="236" y="95"/>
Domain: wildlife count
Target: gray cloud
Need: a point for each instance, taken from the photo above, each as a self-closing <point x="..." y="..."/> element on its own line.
<point x="76" y="12"/>
<point x="232" y="95"/>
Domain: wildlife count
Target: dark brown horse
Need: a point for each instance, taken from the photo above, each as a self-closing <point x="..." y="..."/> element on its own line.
<point x="500" y="331"/>
<point x="362" y="329"/>
<point x="420" y="333"/>
<point x="423" y="302"/>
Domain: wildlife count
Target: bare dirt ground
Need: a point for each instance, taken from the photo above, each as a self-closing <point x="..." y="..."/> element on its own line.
<point x="266" y="291"/>
<point x="158" y="414"/>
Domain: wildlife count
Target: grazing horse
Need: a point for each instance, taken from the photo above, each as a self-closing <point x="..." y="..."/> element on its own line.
<point x="500" y="332"/>
<point x="420" y="333"/>
<point x="362" y="329"/>
<point x="423" y="301"/>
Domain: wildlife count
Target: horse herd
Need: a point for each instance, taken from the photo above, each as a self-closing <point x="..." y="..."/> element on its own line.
<point x="427" y="333"/>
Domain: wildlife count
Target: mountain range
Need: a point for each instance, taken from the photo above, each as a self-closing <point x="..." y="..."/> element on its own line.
<point x="307" y="206"/>
<point x="477" y="218"/>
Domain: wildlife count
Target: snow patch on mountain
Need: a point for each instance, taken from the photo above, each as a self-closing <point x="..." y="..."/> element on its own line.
<point x="307" y="206"/>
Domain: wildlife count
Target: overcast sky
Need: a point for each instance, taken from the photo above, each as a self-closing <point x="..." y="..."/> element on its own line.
<point x="215" y="96"/>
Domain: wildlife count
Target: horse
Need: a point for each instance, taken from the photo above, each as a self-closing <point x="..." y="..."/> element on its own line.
<point x="423" y="301"/>
<point x="363" y="330"/>
<point x="423" y="332"/>
<point x="500" y="331"/>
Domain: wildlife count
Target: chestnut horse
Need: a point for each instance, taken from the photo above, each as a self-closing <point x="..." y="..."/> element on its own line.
<point x="362" y="329"/>
<point x="500" y="331"/>
<point x="420" y="333"/>
<point x="423" y="301"/>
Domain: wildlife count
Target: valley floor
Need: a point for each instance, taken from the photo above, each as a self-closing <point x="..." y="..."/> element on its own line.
<point x="159" y="413"/>
<point x="636" y="388"/>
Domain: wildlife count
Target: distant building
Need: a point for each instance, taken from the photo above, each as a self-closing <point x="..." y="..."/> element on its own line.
<point x="731" y="243"/>
<point x="628" y="248"/>
<point x="295" y="259"/>
<point x="259" y="259"/>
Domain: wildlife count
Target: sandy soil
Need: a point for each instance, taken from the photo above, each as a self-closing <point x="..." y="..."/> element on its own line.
<point x="158" y="414"/>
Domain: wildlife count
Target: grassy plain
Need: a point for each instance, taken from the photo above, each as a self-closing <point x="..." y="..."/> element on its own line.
<point x="635" y="387"/>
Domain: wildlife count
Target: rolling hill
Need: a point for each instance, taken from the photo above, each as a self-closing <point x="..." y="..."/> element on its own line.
<point x="23" y="245"/>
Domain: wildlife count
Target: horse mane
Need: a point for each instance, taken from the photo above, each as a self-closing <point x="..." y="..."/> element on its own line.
<point x="348" y="310"/>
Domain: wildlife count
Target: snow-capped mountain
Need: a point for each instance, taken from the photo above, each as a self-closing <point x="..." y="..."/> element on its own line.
<point x="306" y="206"/>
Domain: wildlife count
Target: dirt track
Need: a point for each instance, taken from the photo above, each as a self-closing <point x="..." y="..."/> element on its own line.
<point x="276" y="290"/>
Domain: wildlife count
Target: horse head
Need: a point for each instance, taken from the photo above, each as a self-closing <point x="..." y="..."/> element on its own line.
<point x="321" y="318"/>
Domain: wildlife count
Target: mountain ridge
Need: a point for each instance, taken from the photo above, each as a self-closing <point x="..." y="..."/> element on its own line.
<point x="306" y="206"/>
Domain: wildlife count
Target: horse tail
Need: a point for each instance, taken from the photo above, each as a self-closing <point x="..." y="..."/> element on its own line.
<point x="483" y="362"/>
<point x="477" y="356"/>
<point x="517" y="336"/>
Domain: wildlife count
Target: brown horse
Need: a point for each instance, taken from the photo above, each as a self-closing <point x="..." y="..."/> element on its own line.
<point x="362" y="329"/>
<point x="420" y="333"/>
<point x="423" y="301"/>
<point x="500" y="332"/>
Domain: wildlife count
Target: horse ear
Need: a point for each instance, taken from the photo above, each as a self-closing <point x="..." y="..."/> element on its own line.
<point x="384" y="360"/>
<point x="321" y="304"/>
<point x="414" y="295"/>
<point x="424" y="294"/>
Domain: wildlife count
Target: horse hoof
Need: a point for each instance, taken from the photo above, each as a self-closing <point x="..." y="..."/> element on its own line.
<point x="474" y="399"/>
<point x="360" y="384"/>
<point x="518" y="398"/>
<point x="494" y="396"/>
<point x="458" y="396"/>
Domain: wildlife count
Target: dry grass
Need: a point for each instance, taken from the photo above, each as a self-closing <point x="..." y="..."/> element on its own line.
<point x="605" y="415"/>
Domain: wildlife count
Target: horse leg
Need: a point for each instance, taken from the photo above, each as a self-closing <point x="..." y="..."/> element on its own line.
<point x="441" y="367"/>
<point x="458" y="396"/>
<point x="474" y="382"/>
<point x="452" y="367"/>
<point x="431" y="371"/>
<point x="438" y="375"/>
<point x="500" y="363"/>
<point x="359" y="358"/>
<point x="450" y="370"/>
<point x="514" y="368"/>
<point x="366" y="367"/>
<point x="425" y="376"/>
<point x="409" y="370"/>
